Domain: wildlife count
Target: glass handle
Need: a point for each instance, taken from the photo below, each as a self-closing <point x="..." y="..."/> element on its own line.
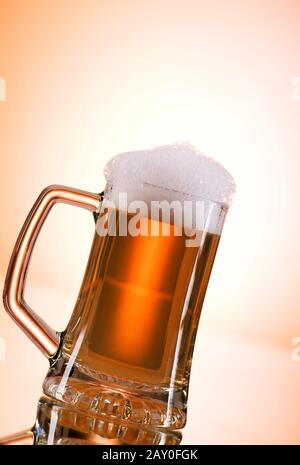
<point x="45" y="338"/>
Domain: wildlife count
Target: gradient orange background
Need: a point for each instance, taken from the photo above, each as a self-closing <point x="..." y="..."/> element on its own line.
<point x="89" y="79"/>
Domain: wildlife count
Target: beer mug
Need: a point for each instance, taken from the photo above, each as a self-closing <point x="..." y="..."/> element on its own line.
<point x="127" y="350"/>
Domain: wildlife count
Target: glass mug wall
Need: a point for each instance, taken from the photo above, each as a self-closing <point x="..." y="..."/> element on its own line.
<point x="127" y="350"/>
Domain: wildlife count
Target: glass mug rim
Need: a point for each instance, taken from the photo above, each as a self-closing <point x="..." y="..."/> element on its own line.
<point x="136" y="185"/>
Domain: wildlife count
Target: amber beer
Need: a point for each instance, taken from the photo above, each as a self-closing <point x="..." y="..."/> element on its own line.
<point x="131" y="305"/>
<point x="137" y="314"/>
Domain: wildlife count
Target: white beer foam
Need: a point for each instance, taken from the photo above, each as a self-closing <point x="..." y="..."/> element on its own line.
<point x="171" y="172"/>
<point x="179" y="167"/>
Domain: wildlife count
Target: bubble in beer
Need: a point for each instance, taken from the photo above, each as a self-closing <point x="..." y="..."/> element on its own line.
<point x="179" y="167"/>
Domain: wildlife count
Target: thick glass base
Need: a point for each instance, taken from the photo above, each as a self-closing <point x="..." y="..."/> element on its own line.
<point x="110" y="397"/>
<point x="59" y="424"/>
